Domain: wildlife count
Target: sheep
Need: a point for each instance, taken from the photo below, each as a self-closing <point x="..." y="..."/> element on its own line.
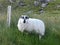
<point x="31" y="24"/>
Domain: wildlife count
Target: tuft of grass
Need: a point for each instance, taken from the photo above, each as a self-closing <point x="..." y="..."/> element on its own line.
<point x="12" y="36"/>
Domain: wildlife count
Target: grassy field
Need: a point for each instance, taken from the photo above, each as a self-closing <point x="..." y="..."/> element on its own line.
<point x="12" y="36"/>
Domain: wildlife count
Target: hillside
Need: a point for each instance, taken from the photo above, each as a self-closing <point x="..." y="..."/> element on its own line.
<point x="12" y="36"/>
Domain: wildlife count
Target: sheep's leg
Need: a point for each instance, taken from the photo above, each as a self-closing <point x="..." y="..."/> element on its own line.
<point x="40" y="36"/>
<point x="22" y="30"/>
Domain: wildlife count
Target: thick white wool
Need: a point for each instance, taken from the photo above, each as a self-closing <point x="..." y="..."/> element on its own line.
<point x="32" y="25"/>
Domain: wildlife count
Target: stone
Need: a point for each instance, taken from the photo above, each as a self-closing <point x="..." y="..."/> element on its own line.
<point x="36" y="3"/>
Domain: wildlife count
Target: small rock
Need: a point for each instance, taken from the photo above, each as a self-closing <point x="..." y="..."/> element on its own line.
<point x="44" y="5"/>
<point x="41" y="10"/>
<point x="36" y="3"/>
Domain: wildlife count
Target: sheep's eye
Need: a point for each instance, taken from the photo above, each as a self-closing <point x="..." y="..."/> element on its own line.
<point x="27" y="17"/>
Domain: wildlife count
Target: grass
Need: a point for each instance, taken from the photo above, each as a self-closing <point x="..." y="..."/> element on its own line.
<point x="12" y="36"/>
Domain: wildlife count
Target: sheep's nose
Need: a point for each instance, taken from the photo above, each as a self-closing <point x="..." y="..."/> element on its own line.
<point x="24" y="21"/>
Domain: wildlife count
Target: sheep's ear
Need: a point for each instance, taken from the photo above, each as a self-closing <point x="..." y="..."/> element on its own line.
<point x="21" y="16"/>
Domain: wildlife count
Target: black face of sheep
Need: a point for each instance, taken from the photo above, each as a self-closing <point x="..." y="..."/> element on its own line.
<point x="24" y="17"/>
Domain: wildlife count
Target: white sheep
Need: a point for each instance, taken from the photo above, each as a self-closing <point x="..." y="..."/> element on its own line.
<point x="31" y="24"/>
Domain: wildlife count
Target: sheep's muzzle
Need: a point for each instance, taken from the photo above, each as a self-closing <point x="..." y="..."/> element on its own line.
<point x="24" y="21"/>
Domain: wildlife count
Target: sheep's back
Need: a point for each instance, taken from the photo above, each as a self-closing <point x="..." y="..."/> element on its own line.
<point x="37" y="25"/>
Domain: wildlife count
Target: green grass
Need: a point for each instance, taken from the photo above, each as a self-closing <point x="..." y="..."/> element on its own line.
<point x="12" y="36"/>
